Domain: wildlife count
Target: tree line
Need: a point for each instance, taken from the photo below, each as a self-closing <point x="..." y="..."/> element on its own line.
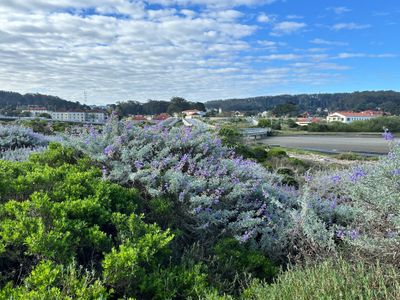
<point x="154" y="107"/>
<point x="313" y="103"/>
<point x="11" y="101"/>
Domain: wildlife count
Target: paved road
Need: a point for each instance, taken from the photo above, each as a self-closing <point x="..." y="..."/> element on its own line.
<point x="332" y="143"/>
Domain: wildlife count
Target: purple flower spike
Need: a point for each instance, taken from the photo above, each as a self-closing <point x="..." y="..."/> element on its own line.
<point x="138" y="165"/>
<point x="396" y="172"/>
<point x="308" y="178"/>
<point x="358" y="174"/>
<point x="109" y="150"/>
<point x="181" y="196"/>
<point x="353" y="234"/>
<point x="336" y="179"/>
<point x="388" y="136"/>
<point x="197" y="210"/>
<point x="340" y="234"/>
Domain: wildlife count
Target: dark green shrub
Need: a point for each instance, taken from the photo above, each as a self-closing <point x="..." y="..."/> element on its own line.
<point x="50" y="281"/>
<point x="276" y="152"/>
<point x="288" y="177"/>
<point x="259" y="153"/>
<point x="234" y="261"/>
<point x="175" y="282"/>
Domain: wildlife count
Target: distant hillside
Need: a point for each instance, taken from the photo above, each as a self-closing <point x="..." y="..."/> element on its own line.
<point x="386" y="100"/>
<point x="10" y="101"/>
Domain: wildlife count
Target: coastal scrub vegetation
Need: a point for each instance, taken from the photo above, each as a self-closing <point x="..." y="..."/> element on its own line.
<point x="178" y="213"/>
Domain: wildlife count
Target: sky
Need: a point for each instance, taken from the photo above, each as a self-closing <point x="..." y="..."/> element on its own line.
<point x="117" y="50"/>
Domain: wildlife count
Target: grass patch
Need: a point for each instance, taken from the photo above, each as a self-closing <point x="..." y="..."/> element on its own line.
<point x="330" y="280"/>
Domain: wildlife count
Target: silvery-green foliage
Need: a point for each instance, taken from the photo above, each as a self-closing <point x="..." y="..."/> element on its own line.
<point x="360" y="206"/>
<point x="13" y="137"/>
<point x="20" y="154"/>
<point x="218" y="191"/>
<point x="17" y="142"/>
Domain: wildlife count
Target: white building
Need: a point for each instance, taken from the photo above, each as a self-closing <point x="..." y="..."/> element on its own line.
<point x="35" y="111"/>
<point x="350" y="116"/>
<point x="193" y="113"/>
<point x="95" y="117"/>
<point x="70" y="116"/>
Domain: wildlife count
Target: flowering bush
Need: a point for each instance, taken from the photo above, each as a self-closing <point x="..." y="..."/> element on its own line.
<point x="357" y="207"/>
<point x="12" y="137"/>
<point x="215" y="191"/>
<point x="17" y="143"/>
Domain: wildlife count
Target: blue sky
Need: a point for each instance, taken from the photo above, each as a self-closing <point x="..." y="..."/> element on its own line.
<point x="199" y="49"/>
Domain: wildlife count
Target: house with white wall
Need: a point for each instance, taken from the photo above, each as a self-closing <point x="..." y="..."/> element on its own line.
<point x="70" y="116"/>
<point x="351" y="116"/>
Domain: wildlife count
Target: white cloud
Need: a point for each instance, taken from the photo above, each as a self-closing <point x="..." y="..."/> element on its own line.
<point x="349" y="26"/>
<point x="327" y="43"/>
<point x="289" y="56"/>
<point x="345" y="55"/>
<point x="287" y="27"/>
<point x="294" y="17"/>
<point x="122" y="49"/>
<point x="339" y="10"/>
<point x="263" y="18"/>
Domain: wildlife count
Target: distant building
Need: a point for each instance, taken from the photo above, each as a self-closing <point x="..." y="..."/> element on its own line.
<point x="350" y="116"/>
<point x="306" y="121"/>
<point x="95" y="117"/>
<point x="69" y="116"/>
<point x="161" y="117"/>
<point x="36" y="110"/>
<point x="139" y="118"/>
<point x="192" y="113"/>
<point x="238" y="114"/>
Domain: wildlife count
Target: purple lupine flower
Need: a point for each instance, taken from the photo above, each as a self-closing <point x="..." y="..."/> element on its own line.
<point x="197" y="210"/>
<point x="246" y="236"/>
<point x="308" y="178"/>
<point x="128" y="125"/>
<point x="109" y="150"/>
<point x="396" y="172"/>
<point x="340" y="233"/>
<point x="138" y="164"/>
<point x="119" y="140"/>
<point x="333" y="204"/>
<point x="358" y="174"/>
<point x="262" y="209"/>
<point x="336" y="179"/>
<point x="217" y="142"/>
<point x="181" y="196"/>
<point x="353" y="234"/>
<point x="388" y="136"/>
<point x="208" y="210"/>
<point x="92" y="132"/>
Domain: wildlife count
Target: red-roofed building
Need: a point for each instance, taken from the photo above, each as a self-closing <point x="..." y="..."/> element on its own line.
<point x="161" y="117"/>
<point x="192" y="113"/>
<point x="139" y="118"/>
<point x="306" y="121"/>
<point x="351" y="116"/>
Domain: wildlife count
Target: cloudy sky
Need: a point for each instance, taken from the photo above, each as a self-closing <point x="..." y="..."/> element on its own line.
<point x="198" y="49"/>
